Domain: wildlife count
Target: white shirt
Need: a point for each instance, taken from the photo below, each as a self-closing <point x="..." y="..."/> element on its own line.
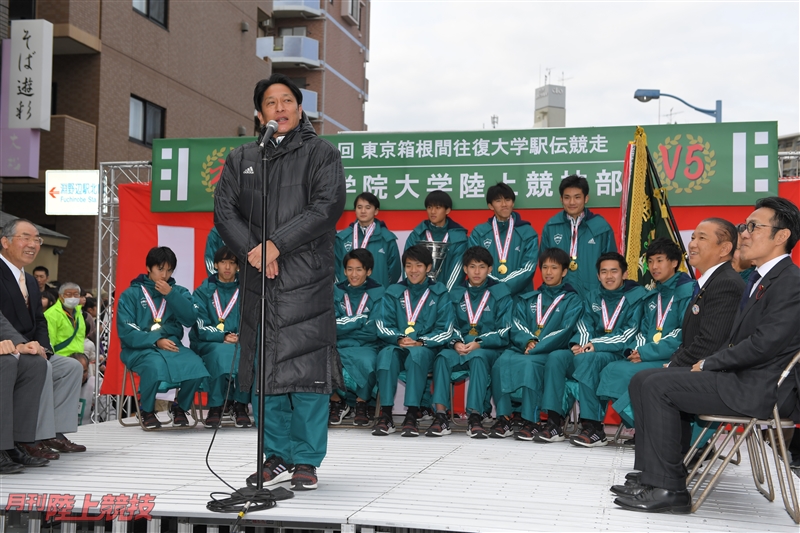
<point x="14" y="270"/>
<point x="766" y="267"/>
<point x="707" y="274"/>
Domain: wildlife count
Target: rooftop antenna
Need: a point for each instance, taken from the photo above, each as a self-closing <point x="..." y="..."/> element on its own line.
<point x="563" y="79"/>
<point x="547" y="76"/>
<point x="495" y="120"/>
<point x="669" y="115"/>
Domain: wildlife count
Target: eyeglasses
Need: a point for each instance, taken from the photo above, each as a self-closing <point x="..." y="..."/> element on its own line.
<point x="751" y="227"/>
<point x="27" y="239"/>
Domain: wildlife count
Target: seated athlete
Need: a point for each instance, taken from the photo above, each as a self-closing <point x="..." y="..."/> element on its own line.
<point x="544" y="320"/>
<point x="151" y="315"/>
<point x="611" y="317"/>
<point x="415" y="320"/>
<point x="441" y="228"/>
<point x="215" y="338"/>
<point x="356" y="299"/>
<point x="482" y="311"/>
<point x="660" y="331"/>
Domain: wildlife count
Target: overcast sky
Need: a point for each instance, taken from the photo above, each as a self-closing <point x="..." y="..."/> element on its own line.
<point x="451" y="65"/>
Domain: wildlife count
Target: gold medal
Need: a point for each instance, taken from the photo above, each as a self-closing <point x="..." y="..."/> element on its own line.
<point x="502" y="268"/>
<point x="410" y="328"/>
<point x="538" y="332"/>
<point x="657" y="337"/>
<point x="157" y="324"/>
<point x="221" y="326"/>
<point x="573" y="265"/>
<point x="473" y="331"/>
<point x="609" y="330"/>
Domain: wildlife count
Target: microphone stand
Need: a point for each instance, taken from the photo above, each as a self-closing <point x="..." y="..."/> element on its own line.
<point x="259" y="489"/>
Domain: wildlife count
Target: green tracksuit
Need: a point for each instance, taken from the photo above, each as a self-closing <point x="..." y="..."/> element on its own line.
<point x="207" y="341"/>
<point x="595" y="237"/>
<point x="585" y="367"/>
<point x="523" y="252"/>
<point x="493" y="328"/>
<point x="356" y="334"/>
<point x="433" y="326"/>
<point x="615" y="377"/>
<point x="515" y="369"/>
<point x="383" y="247"/>
<point x="452" y="271"/>
<point x="139" y="352"/>
<point x="213" y="243"/>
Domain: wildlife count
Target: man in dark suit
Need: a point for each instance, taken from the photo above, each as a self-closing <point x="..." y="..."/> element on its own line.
<point x="709" y="317"/>
<point x="738" y="380"/>
<point x="22" y="376"/>
<point x="21" y="303"/>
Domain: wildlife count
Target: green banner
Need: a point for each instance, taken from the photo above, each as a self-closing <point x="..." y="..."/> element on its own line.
<point x="731" y="163"/>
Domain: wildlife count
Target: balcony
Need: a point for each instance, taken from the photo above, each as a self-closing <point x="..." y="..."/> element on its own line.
<point x="71" y="145"/>
<point x="310" y="103"/>
<point x="289" y="52"/>
<point x="296" y="8"/>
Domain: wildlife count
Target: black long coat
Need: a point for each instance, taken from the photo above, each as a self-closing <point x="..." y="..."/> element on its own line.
<point x="305" y="198"/>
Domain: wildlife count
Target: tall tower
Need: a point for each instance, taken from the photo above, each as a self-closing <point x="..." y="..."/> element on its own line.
<point x="550" y="109"/>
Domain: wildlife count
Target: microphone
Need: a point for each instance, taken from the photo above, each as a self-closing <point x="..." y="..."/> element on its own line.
<point x="269" y="130"/>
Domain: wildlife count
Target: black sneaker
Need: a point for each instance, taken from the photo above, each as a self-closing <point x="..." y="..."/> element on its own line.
<point x="178" y="416"/>
<point x="275" y="471"/>
<point x="528" y="431"/>
<point x="501" y="428"/>
<point x="516" y="420"/>
<point x="213" y="417"/>
<point x="410" y="428"/>
<point x="425" y="413"/>
<point x="362" y="414"/>
<point x="304" y="478"/>
<point x="476" y="430"/>
<point x="150" y="420"/>
<point x="384" y="425"/>
<point x="486" y="417"/>
<point x="440" y="426"/>
<point x="589" y="438"/>
<point x="227" y="408"/>
<point x="550" y="433"/>
<point x="241" y="418"/>
<point x="337" y="412"/>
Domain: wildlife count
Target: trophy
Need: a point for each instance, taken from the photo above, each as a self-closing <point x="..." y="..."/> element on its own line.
<point x="439" y="252"/>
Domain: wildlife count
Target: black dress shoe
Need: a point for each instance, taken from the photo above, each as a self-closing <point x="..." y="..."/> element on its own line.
<point x="7" y="466"/>
<point x="21" y="457"/>
<point x="635" y="477"/>
<point x="628" y="489"/>
<point x="656" y="500"/>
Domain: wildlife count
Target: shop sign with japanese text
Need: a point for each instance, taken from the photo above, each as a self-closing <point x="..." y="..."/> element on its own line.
<point x="31" y="74"/>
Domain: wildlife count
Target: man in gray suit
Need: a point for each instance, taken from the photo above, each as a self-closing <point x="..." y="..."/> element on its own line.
<point x="22" y="376"/>
<point x="21" y="303"/>
<point x="738" y="380"/>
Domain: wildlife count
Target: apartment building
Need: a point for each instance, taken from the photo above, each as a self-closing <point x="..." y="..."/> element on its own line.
<point x="126" y="72"/>
<point x="323" y="46"/>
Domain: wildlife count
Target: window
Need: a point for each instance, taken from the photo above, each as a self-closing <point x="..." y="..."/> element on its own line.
<point x="351" y="11"/>
<point x="155" y="10"/>
<point x="146" y="121"/>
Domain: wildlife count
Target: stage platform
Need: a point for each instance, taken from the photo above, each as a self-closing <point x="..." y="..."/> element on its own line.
<point x="373" y="484"/>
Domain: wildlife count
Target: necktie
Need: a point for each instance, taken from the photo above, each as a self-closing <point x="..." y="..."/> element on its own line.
<point x="22" y="286"/>
<point x="696" y="291"/>
<point x="755" y="275"/>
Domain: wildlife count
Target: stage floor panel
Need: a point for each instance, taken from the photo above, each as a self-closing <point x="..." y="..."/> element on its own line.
<point x="451" y="483"/>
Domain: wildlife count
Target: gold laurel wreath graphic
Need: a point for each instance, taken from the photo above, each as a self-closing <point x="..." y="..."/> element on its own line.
<point x="708" y="168"/>
<point x="211" y="159"/>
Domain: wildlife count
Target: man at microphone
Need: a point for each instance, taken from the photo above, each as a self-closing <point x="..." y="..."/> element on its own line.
<point x="305" y="198"/>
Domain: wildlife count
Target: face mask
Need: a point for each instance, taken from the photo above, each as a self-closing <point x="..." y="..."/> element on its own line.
<point x="70" y="303"/>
